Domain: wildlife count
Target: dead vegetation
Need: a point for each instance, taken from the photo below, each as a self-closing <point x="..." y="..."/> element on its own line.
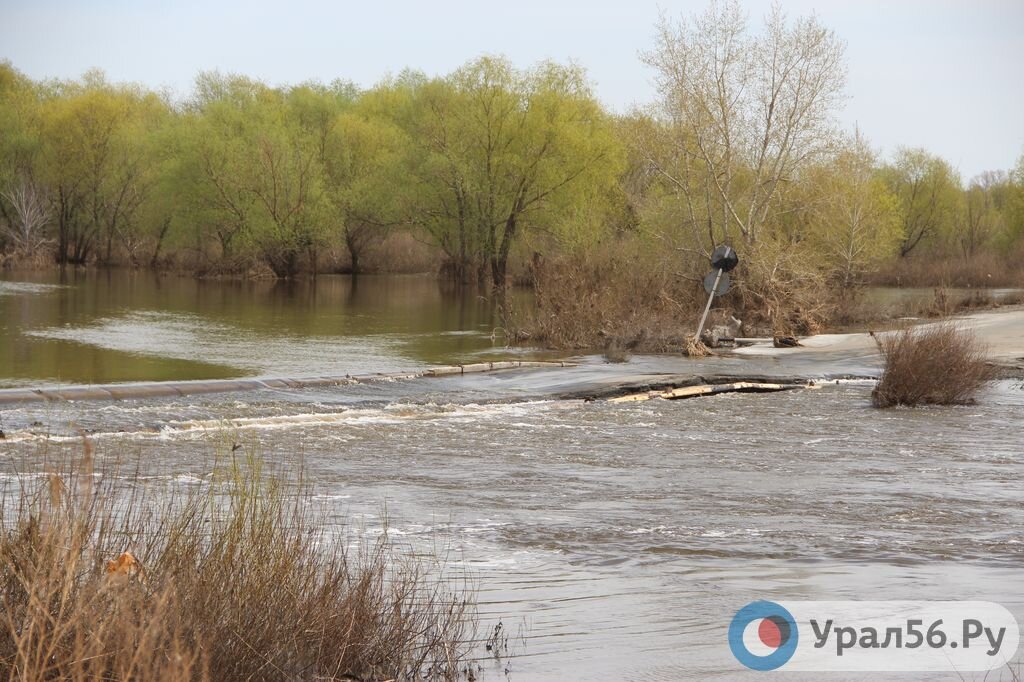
<point x="608" y="301"/>
<point x="237" y="581"/>
<point x="940" y="364"/>
<point x="985" y="269"/>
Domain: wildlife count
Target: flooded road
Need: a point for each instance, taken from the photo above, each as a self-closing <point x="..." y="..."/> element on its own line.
<point x="614" y="541"/>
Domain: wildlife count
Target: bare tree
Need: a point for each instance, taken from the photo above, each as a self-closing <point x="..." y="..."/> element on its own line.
<point x="26" y="228"/>
<point x="746" y="112"/>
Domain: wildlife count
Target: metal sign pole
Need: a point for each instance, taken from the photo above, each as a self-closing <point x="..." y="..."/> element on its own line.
<point x="707" y="308"/>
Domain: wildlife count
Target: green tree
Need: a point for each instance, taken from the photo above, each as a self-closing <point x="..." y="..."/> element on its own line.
<point x="24" y="211"/>
<point x="96" y="163"/>
<point x="855" y="220"/>
<point x="928" y="191"/>
<point x="504" y="150"/>
<point x="364" y="170"/>
<point x="1015" y="202"/>
<point x="214" y="162"/>
<point x="986" y="211"/>
<point x="254" y="171"/>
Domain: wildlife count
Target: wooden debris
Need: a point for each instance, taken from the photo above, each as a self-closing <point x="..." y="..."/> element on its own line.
<point x="786" y="342"/>
<point x="708" y="389"/>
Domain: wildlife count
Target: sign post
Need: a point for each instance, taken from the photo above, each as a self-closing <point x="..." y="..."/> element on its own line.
<point x="716" y="282"/>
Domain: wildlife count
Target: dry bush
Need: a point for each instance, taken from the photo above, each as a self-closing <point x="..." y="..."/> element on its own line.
<point x="609" y="299"/>
<point x="939" y="364"/>
<point x="239" y="581"/>
<point x="783" y="291"/>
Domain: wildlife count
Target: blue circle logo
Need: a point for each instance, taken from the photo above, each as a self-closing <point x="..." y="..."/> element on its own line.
<point x="763" y="635"/>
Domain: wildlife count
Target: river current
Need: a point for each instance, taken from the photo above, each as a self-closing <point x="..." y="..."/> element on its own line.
<point x="612" y="541"/>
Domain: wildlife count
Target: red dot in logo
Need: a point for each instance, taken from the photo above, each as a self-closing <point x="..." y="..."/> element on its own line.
<point x="769" y="633"/>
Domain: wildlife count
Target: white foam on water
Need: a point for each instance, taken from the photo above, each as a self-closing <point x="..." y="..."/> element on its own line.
<point x="179" y="428"/>
<point x="198" y="339"/>
<point x="24" y="288"/>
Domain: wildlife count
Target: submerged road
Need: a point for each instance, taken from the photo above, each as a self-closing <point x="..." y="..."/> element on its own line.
<point x="822" y="357"/>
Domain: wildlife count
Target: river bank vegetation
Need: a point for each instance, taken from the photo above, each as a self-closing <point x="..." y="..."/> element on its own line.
<point x="498" y="176"/>
<point x="109" y="576"/>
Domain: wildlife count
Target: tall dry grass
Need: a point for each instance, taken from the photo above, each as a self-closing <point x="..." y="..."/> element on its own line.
<point x="984" y="269"/>
<point x="237" y="581"/>
<point x="940" y="364"/>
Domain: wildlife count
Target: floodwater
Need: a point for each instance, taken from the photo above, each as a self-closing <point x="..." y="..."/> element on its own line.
<point x="613" y="541"/>
<point x="119" y="326"/>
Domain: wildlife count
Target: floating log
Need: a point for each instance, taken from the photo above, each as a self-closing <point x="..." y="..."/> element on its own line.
<point x="708" y="389"/>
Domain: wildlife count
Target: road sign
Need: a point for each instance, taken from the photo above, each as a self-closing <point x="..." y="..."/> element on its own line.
<point x="724" y="258"/>
<point x="710" y="280"/>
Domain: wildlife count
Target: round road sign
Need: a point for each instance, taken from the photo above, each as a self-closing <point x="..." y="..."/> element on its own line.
<point x="724" y="258"/>
<point x="723" y="283"/>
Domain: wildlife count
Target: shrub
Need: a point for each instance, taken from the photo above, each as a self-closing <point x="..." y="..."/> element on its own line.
<point x="237" y="581"/>
<point x="939" y="364"/>
<point x="616" y="299"/>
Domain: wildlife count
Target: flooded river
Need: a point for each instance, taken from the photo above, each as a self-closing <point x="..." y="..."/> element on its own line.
<point x="613" y="541"/>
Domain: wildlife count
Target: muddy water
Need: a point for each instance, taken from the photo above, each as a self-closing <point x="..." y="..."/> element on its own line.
<point x="616" y="541"/>
<point x="118" y="326"/>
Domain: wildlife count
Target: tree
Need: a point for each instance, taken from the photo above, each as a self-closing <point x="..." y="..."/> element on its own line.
<point x="212" y="162"/>
<point x="927" y="190"/>
<point x="855" y="221"/>
<point x="502" y="149"/>
<point x="1015" y="201"/>
<point x="19" y="142"/>
<point x="254" y="171"/>
<point x="741" y="115"/>
<point x="364" y="174"/>
<point x="985" y="207"/>
<point x="27" y="219"/>
<point x="96" y="163"/>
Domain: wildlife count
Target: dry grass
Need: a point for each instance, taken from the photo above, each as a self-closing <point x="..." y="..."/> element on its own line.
<point x="979" y="271"/>
<point x="238" y="581"/>
<point x="940" y="364"/>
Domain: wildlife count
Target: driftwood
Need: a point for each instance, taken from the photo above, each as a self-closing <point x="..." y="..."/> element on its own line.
<point x="786" y="342"/>
<point x="708" y="389"/>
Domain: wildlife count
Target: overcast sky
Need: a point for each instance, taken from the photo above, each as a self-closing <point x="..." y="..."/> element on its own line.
<point x="947" y="75"/>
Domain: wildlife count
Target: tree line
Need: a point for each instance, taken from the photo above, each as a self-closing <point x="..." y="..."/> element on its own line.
<point x="495" y="167"/>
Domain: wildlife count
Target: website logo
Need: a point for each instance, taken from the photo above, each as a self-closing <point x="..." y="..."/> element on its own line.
<point x="763" y="635"/>
<point x="893" y="636"/>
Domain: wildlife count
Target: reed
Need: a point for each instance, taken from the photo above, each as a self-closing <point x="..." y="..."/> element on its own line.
<point x="103" y="578"/>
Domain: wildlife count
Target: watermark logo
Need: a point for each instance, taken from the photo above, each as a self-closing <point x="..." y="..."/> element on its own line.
<point x="763" y="635"/>
<point x="874" y="636"/>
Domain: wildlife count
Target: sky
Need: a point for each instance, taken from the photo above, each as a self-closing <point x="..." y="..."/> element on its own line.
<point x="946" y="75"/>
